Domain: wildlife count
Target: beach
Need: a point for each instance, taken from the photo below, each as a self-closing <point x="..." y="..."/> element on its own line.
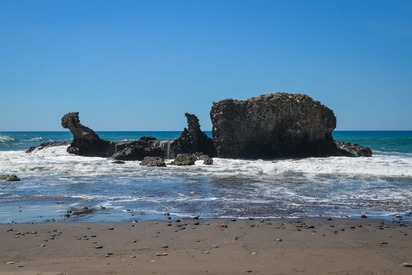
<point x="201" y="246"/>
<point x="72" y="214"/>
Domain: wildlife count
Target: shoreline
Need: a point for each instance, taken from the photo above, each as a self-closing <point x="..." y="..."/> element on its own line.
<point x="212" y="246"/>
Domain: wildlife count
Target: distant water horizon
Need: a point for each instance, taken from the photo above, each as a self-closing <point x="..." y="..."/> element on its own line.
<point x="54" y="182"/>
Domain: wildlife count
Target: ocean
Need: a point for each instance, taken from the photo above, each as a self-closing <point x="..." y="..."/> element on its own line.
<point x="55" y="184"/>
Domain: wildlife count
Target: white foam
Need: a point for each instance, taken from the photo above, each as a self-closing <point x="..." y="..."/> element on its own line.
<point x="4" y="139"/>
<point x="56" y="160"/>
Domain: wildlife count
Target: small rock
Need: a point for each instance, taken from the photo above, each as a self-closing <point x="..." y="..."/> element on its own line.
<point x="98" y="247"/>
<point x="254" y="253"/>
<point x="363" y="216"/>
<point x="11" y="262"/>
<point x="406" y="264"/>
<point x="206" y="252"/>
<point x="279" y="240"/>
<point x="118" y="162"/>
<point x="162" y="254"/>
<point x="165" y="246"/>
<point x="12" y="178"/>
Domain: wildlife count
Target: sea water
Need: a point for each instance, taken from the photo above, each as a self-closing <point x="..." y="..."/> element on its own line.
<point x="54" y="182"/>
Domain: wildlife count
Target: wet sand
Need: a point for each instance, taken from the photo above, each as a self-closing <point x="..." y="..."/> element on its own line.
<point x="307" y="246"/>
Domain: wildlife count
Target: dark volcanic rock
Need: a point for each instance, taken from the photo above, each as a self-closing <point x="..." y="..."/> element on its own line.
<point x="184" y="159"/>
<point x="207" y="160"/>
<point x="138" y="150"/>
<point x="354" y="150"/>
<point x="85" y="141"/>
<point x="153" y="162"/>
<point x="9" y="177"/>
<point x="193" y="140"/>
<point x="273" y="125"/>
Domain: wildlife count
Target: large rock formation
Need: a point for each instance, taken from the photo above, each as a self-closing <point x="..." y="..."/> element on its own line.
<point x="193" y="140"/>
<point x="85" y="141"/>
<point x="273" y="125"/>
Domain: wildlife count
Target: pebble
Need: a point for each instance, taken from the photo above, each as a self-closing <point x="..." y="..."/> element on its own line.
<point x="279" y="240"/>
<point x="11" y="262"/>
<point x="206" y="252"/>
<point x="110" y="228"/>
<point x="165" y="246"/>
<point x="254" y="253"/>
<point x="406" y="264"/>
<point x="162" y="254"/>
<point x="98" y="247"/>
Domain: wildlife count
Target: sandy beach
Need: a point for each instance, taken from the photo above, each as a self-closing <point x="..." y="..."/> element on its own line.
<point x="307" y="246"/>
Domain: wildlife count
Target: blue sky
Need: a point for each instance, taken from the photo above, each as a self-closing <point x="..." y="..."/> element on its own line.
<point x="140" y="65"/>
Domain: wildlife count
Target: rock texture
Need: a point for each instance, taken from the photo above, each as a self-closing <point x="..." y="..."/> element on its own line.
<point x="193" y="140"/>
<point x="138" y="149"/>
<point x="153" y="162"/>
<point x="353" y="150"/>
<point x="85" y="141"/>
<point x="184" y="160"/>
<point x="273" y="125"/>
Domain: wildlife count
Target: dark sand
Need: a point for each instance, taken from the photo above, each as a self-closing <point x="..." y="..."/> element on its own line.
<point x="312" y="246"/>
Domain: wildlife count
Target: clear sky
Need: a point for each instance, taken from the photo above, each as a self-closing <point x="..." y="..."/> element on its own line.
<point x="140" y="65"/>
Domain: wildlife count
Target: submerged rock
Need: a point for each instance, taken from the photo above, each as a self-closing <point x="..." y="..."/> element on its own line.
<point x="354" y="150"/>
<point x="274" y="125"/>
<point x="206" y="160"/>
<point x="12" y="177"/>
<point x="46" y="145"/>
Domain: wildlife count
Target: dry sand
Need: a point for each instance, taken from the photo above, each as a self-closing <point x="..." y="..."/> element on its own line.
<point x="309" y="246"/>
